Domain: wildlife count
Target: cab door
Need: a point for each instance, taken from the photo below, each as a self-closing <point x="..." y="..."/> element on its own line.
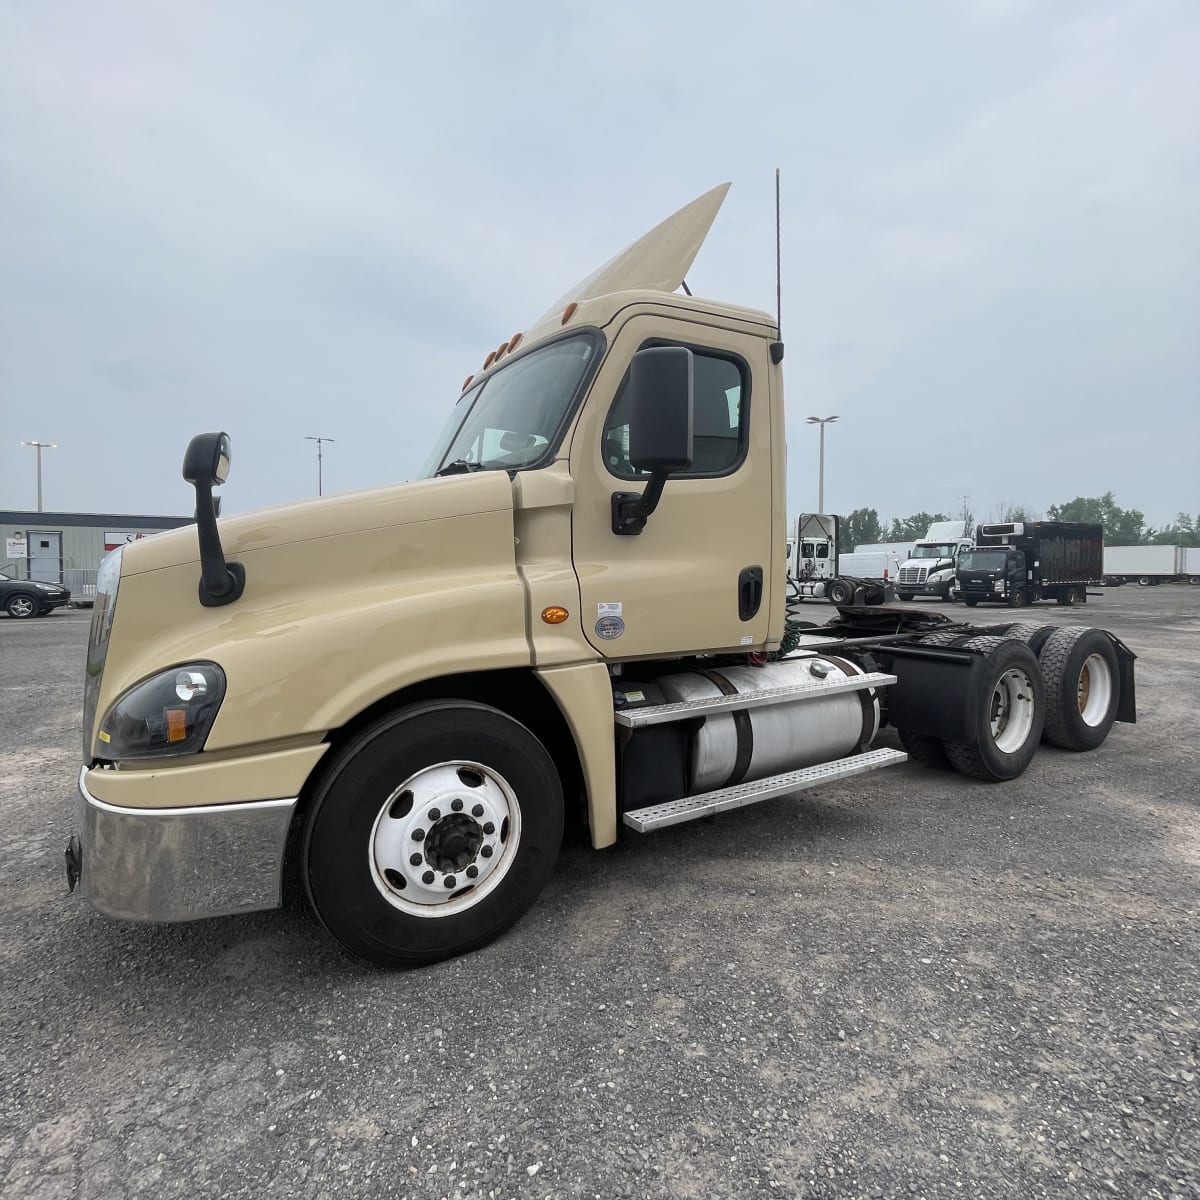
<point x="701" y="575"/>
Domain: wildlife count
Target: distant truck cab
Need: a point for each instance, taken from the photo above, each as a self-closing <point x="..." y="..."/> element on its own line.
<point x="930" y="569"/>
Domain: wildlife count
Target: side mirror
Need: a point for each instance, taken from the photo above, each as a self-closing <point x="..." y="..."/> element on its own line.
<point x="205" y="466"/>
<point x="661" y="406"/>
<point x="206" y="460"/>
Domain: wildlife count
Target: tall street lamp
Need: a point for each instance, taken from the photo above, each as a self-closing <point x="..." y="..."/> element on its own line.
<point x="822" y="422"/>
<point x="320" y="442"/>
<point x="39" y="447"/>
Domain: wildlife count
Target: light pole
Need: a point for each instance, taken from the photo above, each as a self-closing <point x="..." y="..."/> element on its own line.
<point x="320" y="441"/>
<point x="822" y="422"/>
<point x="39" y="447"/>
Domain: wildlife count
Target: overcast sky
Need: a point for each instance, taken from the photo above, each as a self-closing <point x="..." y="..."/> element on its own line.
<point x="285" y="219"/>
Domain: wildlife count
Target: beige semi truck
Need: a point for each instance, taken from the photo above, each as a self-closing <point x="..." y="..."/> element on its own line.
<point x="580" y="608"/>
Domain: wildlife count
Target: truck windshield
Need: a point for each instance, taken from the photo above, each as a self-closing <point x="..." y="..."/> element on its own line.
<point x="515" y="417"/>
<point x="935" y="550"/>
<point x="983" y="560"/>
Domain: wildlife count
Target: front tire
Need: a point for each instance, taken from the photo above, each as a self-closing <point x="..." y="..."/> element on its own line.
<point x="432" y="833"/>
<point x="970" y="601"/>
<point x="21" y="608"/>
<point x="1009" y="716"/>
<point x="1017" y="598"/>
<point x="906" y="595"/>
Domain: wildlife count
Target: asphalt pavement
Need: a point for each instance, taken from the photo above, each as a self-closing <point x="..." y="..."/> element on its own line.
<point x="902" y="985"/>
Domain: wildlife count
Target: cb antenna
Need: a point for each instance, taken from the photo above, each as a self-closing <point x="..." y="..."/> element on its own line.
<point x="777" y="347"/>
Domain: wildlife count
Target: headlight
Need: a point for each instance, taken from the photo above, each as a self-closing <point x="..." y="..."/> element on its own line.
<point x="46" y="587"/>
<point x="169" y="713"/>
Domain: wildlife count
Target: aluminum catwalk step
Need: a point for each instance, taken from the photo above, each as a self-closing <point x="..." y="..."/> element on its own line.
<point x="658" y="714"/>
<point x="690" y="808"/>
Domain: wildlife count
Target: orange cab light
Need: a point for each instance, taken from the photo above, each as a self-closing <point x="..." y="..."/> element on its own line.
<point x="512" y="341"/>
<point x="501" y="349"/>
<point x="554" y="615"/>
<point x="176" y="724"/>
<point x="491" y="358"/>
<point x="467" y="382"/>
<point x="569" y="312"/>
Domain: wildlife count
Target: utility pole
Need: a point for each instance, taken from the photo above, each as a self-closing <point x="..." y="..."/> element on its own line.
<point x="822" y="422"/>
<point x="966" y="515"/>
<point x="39" y="447"/>
<point x="320" y="442"/>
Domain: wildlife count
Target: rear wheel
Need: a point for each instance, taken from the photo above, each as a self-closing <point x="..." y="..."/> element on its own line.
<point x="1082" y="687"/>
<point x="1034" y="636"/>
<point x="928" y="751"/>
<point x="840" y="592"/>
<point x="1009" y="715"/>
<point x="432" y="833"/>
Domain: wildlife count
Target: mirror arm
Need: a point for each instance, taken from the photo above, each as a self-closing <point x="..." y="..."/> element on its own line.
<point x="221" y="582"/>
<point x="631" y="509"/>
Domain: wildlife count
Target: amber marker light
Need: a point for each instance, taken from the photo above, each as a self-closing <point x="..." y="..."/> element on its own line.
<point x="491" y="358"/>
<point x="467" y="382"/>
<point x="554" y="615"/>
<point x="514" y="341"/>
<point x="569" y="311"/>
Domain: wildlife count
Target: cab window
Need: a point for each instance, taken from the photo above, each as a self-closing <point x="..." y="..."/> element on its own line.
<point x="721" y="387"/>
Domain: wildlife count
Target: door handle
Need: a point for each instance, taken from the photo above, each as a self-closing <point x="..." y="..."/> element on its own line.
<point x="750" y="592"/>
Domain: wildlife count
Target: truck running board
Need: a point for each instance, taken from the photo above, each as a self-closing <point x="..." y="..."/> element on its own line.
<point x="690" y="808"/>
<point x="682" y="710"/>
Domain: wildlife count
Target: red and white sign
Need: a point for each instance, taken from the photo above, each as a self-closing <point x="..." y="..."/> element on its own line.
<point x="113" y="540"/>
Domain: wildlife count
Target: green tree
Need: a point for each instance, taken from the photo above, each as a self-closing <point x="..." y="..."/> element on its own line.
<point x="1006" y="511"/>
<point x="862" y="528"/>
<point x="1184" y="531"/>
<point x="1122" y="526"/>
<point x="912" y="529"/>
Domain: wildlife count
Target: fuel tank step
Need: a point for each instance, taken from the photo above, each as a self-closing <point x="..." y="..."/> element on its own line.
<point x="682" y="710"/>
<point x="691" y="808"/>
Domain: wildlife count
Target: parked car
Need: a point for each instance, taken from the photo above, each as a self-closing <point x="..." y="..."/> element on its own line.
<point x="29" y="598"/>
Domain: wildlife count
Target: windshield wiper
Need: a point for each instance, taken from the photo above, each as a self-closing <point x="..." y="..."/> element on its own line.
<point x="459" y="466"/>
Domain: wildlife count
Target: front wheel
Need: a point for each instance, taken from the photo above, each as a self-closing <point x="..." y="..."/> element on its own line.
<point x="970" y="601"/>
<point x="21" y="607"/>
<point x="951" y="592"/>
<point x="1017" y="598"/>
<point x="432" y="833"/>
<point x="906" y="595"/>
<point x="1009" y="713"/>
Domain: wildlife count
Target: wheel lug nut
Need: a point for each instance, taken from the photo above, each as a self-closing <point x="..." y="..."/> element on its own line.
<point x="450" y="881"/>
<point x="435" y="814"/>
<point x="486" y="851"/>
<point x="418" y="835"/>
<point x="415" y="859"/>
<point x="472" y="871"/>
<point x="427" y="877"/>
<point x="456" y="805"/>
<point x="477" y="810"/>
<point x="489" y="827"/>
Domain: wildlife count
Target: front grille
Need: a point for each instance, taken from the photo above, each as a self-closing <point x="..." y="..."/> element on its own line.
<point x="913" y="574"/>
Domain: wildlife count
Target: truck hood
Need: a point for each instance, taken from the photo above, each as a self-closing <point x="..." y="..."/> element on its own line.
<point x="328" y="517"/>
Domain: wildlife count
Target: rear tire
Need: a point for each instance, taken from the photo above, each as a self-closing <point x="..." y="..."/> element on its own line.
<point x="464" y="790"/>
<point x="928" y="751"/>
<point x="840" y="592"/>
<point x="1034" y="636"/>
<point x="1082" y="687"/>
<point x="1010" y="713"/>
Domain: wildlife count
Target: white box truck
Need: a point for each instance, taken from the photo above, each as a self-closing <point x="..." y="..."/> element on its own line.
<point x="1145" y="565"/>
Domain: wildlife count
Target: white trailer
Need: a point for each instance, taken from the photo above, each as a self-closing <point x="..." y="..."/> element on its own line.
<point x="1145" y="565"/>
<point x="1191" y="564"/>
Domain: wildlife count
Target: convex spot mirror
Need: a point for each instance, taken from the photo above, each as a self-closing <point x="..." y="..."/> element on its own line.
<point x="661" y="409"/>
<point x="206" y="461"/>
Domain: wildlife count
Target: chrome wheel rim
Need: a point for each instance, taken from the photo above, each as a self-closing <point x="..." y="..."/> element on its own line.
<point x="445" y="839"/>
<point x="1010" y="712"/>
<point x="21" y="607"/>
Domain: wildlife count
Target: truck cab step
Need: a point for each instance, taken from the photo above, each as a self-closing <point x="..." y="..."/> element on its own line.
<point x="683" y="710"/>
<point x="691" y="808"/>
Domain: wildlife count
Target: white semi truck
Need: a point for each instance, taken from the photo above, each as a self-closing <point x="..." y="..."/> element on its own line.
<point x="930" y="571"/>
<point x="819" y="571"/>
<point x="579" y="609"/>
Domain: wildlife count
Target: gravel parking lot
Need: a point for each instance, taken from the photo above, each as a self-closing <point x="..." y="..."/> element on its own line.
<point x="902" y="985"/>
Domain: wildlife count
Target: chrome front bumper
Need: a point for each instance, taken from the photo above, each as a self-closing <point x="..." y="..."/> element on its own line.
<point x="180" y="864"/>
